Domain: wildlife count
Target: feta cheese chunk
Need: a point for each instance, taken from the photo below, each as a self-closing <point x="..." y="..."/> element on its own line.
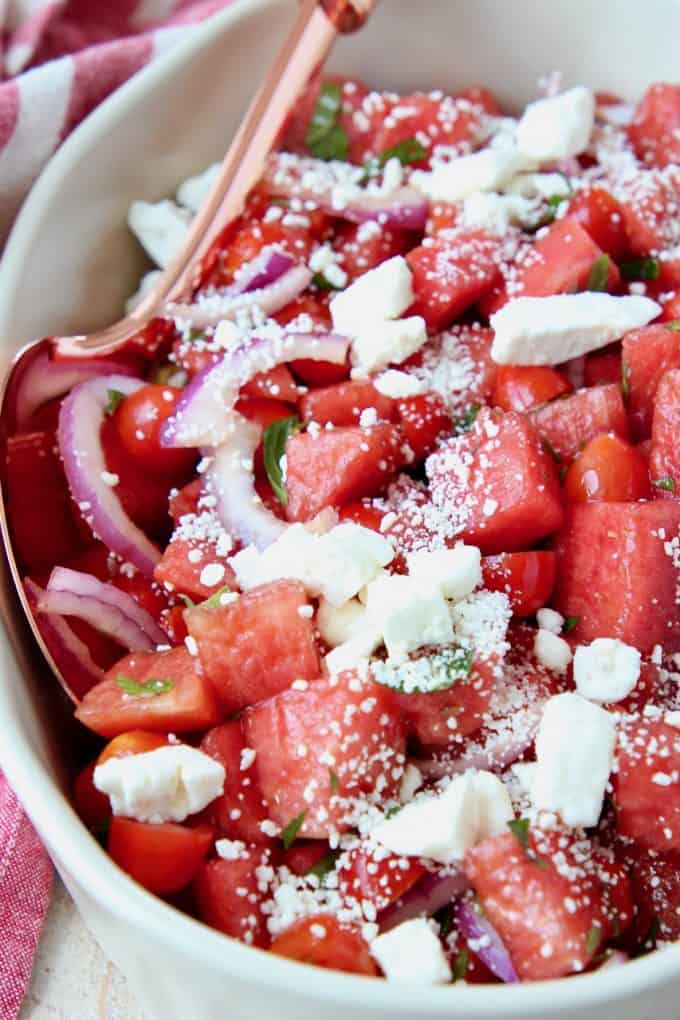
<point x="496" y="213"/>
<point x="456" y="572"/>
<point x="193" y="192"/>
<point x="412" y="952"/>
<point x="379" y="344"/>
<point x="551" y="330"/>
<point x="606" y="670"/>
<point x="486" y="170"/>
<point x="165" y="785"/>
<point x="551" y="650"/>
<point x="549" y="619"/>
<point x="160" y="228"/>
<point x="411" y="614"/>
<point x="397" y="384"/>
<point x="443" y="827"/>
<point x="382" y="293"/>
<point x="538" y="185"/>
<point x="338" y="624"/>
<point x="557" y="127"/>
<point x="574" y="756"/>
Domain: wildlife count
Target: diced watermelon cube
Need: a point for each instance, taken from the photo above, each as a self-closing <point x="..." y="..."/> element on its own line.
<point x="560" y="261"/>
<point x="338" y="466"/>
<point x="239" y="811"/>
<point x="423" y="419"/>
<point x="656" y="884"/>
<point x="181" y="567"/>
<point x="229" y="899"/>
<point x="185" y="501"/>
<point x="321" y="752"/>
<point x="664" y="458"/>
<point x="569" y="423"/>
<point x="655" y="128"/>
<point x="440" y="120"/>
<point x="368" y="873"/>
<point x="618" y="572"/>
<point x="276" y="384"/>
<point x="649" y="204"/>
<point x="647" y="354"/>
<point x="257" y="645"/>
<point x="458" y="366"/>
<point x="342" y="404"/>
<point x="363" y="248"/>
<point x="603" y="366"/>
<point x="647" y="785"/>
<point x="497" y="483"/>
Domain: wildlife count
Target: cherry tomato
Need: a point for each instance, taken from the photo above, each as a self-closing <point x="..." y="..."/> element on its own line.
<point x="610" y="470"/>
<point x="322" y="941"/>
<point x="132" y="742"/>
<point x="138" y="420"/>
<point x="92" y="806"/>
<point x="600" y="215"/>
<point x="163" y="858"/>
<point x="527" y="578"/>
<point x="519" y="387"/>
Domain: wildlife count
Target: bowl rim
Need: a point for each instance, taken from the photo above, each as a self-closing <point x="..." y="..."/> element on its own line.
<point x="96" y="872"/>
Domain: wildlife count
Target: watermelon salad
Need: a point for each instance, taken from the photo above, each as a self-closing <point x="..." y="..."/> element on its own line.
<point x="364" y="564"/>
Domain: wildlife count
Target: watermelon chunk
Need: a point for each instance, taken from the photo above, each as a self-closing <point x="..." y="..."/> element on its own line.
<point x="450" y="275"/>
<point x="342" y="404"/>
<point x="228" y="896"/>
<point x="239" y="810"/>
<point x="664" y="458"/>
<point x="655" y="129"/>
<point x="649" y="204"/>
<point x="647" y="354"/>
<point x="257" y="645"/>
<point x="618" y="571"/>
<point x="560" y="262"/>
<point x="647" y="785"/>
<point x="569" y="423"/>
<point x="321" y="752"/>
<point x="181" y="566"/>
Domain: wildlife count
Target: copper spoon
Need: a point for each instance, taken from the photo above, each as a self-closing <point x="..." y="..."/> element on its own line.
<point x="303" y="52"/>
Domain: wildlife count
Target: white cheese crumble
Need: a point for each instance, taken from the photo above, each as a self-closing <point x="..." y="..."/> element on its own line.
<point x="377" y="344"/>
<point x="382" y="293"/>
<point x="455" y="572"/>
<point x="606" y="670"/>
<point x="164" y="785"/>
<point x="412" y="952"/>
<point x="160" y="228"/>
<point x="486" y="170"/>
<point x="411" y="614"/>
<point x="338" y="624"/>
<point x="396" y="384"/>
<point x="557" y="127"/>
<point x="549" y="619"/>
<point x="551" y="650"/>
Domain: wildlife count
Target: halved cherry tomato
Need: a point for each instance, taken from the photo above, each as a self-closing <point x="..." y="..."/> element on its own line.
<point x="608" y="469"/>
<point x="527" y="578"/>
<point x="163" y="858"/>
<point x="599" y="214"/>
<point x="276" y="384"/>
<point x="92" y="806"/>
<point x="521" y="387"/>
<point x="138" y="420"/>
<point x="322" y="941"/>
<point x="132" y="742"/>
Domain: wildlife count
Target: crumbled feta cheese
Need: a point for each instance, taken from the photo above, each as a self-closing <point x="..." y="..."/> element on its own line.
<point x="549" y="619"/>
<point x="551" y="650"/>
<point x="412" y="952"/>
<point x="231" y="849"/>
<point x="444" y="826"/>
<point x="606" y="670"/>
<point x="489" y="211"/>
<point x="338" y="624"/>
<point x="164" y="785"/>
<point x="355" y="651"/>
<point x="456" y="572"/>
<point x="160" y="227"/>
<point x="382" y="293"/>
<point x="486" y="170"/>
<point x="193" y="192"/>
<point x="411" y="614"/>
<point x="212" y="574"/>
<point x="552" y="330"/>
<point x="411" y="783"/>
<point x="378" y="344"/>
<point x="397" y="384"/>
<point x="557" y="127"/>
<point x="574" y="756"/>
<point x="672" y="719"/>
<point x="538" y="185"/>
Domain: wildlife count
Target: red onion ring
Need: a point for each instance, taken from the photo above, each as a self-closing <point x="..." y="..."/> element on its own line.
<point x="424" y="899"/>
<point x="77" y="669"/>
<point x="495" y="756"/>
<point x="210" y="309"/>
<point x="110" y="610"/>
<point x="489" y="946"/>
<point x="265" y="269"/>
<point x="81" y="450"/>
<point x="201" y="418"/>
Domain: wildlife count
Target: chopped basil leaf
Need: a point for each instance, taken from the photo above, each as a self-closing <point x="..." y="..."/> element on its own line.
<point x="625" y="380"/>
<point x="150" y="688"/>
<point x="321" y="283"/>
<point x="189" y="603"/>
<point x="391" y="812"/>
<point x="673" y="324"/>
<point x="569" y="623"/>
<point x="519" y="827"/>
<point x="593" y="939"/>
<point x="555" y="201"/>
<point x="466" y="420"/>
<point x="640" y="269"/>
<point x="113" y="399"/>
<point x="664" y="483"/>
<point x="168" y="375"/>
<point x="428" y="674"/>
<point x="326" y="138"/>
<point x="460" y="966"/>
<point x="599" y="271"/>
<point x="274" y="439"/>
<point x="324" y="866"/>
<point x="289" y="834"/>
<point x="214" y="602"/>
<point x="408" y="151"/>
<point x="333" y="781"/>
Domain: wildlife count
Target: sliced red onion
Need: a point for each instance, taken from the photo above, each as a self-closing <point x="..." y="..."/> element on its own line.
<point x="110" y="610"/>
<point x="486" y="942"/>
<point x="495" y="756"/>
<point x="434" y="891"/>
<point x="80" y="421"/>
<point x="211" y="308"/>
<point x="40" y="378"/>
<point x="76" y="668"/>
<point x="262" y="271"/>
<point x="335" y="190"/>
<point x="231" y="481"/>
<point x="201" y="416"/>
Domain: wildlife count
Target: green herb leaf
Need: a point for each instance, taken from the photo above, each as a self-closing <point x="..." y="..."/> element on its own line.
<point x="519" y="827"/>
<point x="428" y="674"/>
<point x="326" y="138"/>
<point x="321" y="283"/>
<point x="407" y="152"/>
<point x="640" y="269"/>
<point x="466" y="420"/>
<point x="569" y="623"/>
<point x="113" y="399"/>
<point x="673" y="324"/>
<point x="274" y="439"/>
<point x="593" y="939"/>
<point x="333" y="781"/>
<point x="215" y="601"/>
<point x="324" y="866"/>
<point x="391" y="812"/>
<point x="555" y="201"/>
<point x="289" y="834"/>
<point x="189" y="603"/>
<point x="625" y="380"/>
<point x="668" y="484"/>
<point x="599" y="271"/>
<point x="148" y="689"/>
<point x="460" y="966"/>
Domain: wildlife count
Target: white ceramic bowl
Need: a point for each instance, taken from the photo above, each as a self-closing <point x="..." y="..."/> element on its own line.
<point x="69" y="265"/>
